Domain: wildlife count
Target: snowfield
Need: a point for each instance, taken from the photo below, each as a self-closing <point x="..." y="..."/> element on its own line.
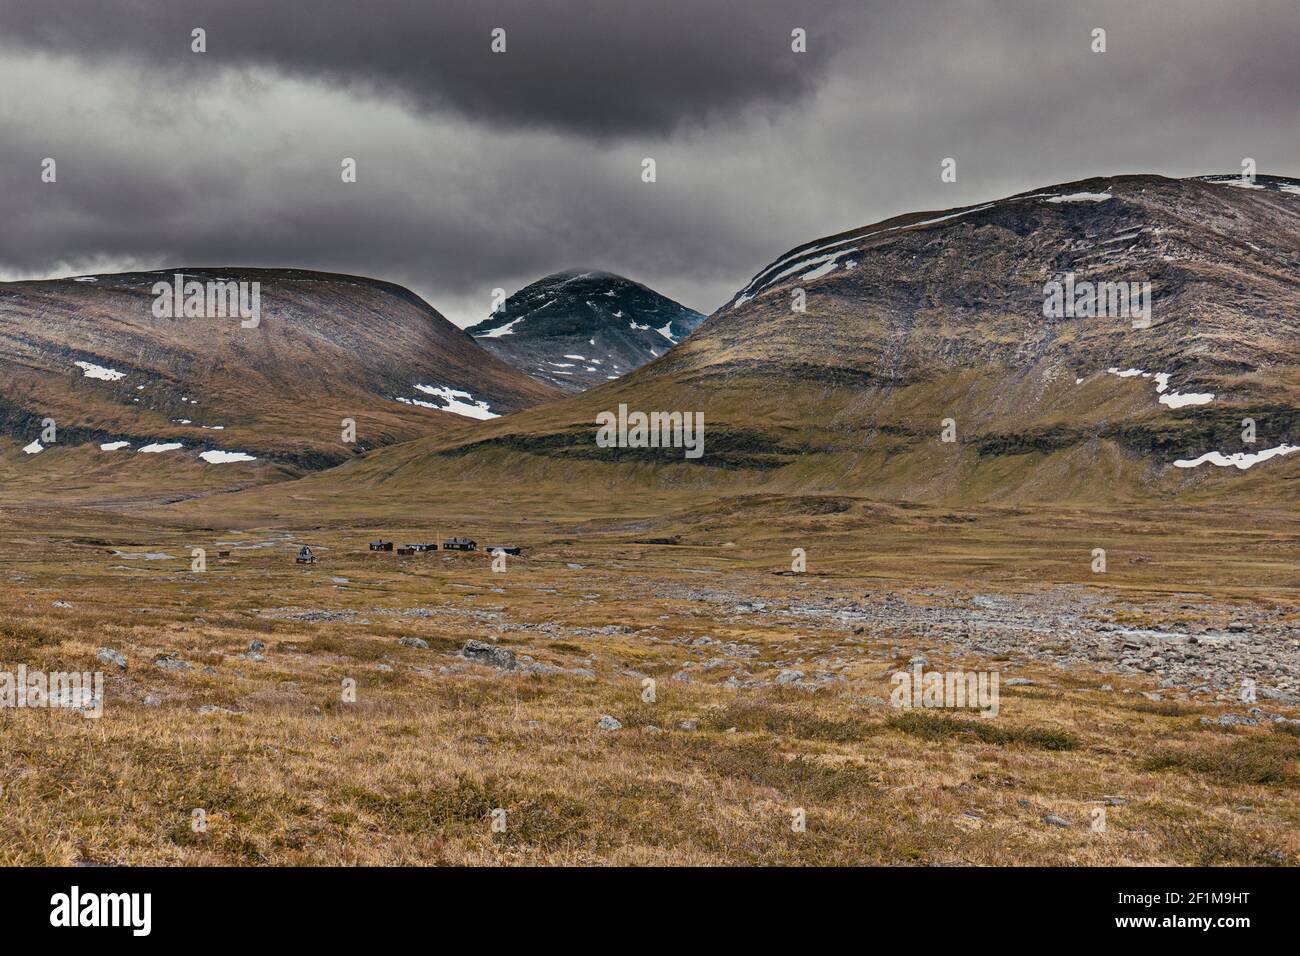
<point x="454" y="401"/>
<point x="1172" y="399"/>
<point x="91" y="370"/>
<point x="500" y="330"/>
<point x="215" y="457"/>
<point x="1240" y="460"/>
<point x="1082" y="197"/>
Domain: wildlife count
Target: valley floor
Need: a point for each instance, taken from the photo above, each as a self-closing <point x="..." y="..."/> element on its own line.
<point x="1120" y="735"/>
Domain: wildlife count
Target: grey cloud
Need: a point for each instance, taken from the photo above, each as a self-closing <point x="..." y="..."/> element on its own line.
<point x="596" y="67"/>
<point x="240" y="166"/>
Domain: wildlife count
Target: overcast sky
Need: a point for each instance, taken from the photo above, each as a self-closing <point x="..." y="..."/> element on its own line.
<point x="479" y="170"/>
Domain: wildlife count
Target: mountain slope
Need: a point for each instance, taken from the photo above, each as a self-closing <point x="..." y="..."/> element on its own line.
<point x="574" y="330"/>
<point x="938" y="317"/>
<point x="90" y="354"/>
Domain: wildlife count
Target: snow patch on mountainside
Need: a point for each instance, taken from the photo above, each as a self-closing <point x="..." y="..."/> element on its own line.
<point x="215" y="457"/>
<point x="1082" y="197"/>
<point x="91" y="370"/>
<point x="453" y="400"/>
<point x="1240" y="460"/>
<point x="1172" y="399"/>
<point x="507" y="329"/>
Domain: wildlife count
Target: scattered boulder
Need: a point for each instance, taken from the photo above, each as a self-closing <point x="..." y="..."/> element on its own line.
<point x="1053" y="820"/>
<point x="1281" y="696"/>
<point x="1230" y="720"/>
<point x="415" y="642"/>
<point x="110" y="656"/>
<point x="170" y="662"/>
<point x="609" y="723"/>
<point x="1019" y="682"/>
<point x="481" y="652"/>
<point x="256" y="646"/>
<point x="789" y="677"/>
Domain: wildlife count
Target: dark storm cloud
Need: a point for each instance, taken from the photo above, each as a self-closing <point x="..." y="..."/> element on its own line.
<point x="597" y="67"/>
<point x="477" y="173"/>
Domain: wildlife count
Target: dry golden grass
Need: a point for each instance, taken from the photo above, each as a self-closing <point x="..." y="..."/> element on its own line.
<point x="412" y="770"/>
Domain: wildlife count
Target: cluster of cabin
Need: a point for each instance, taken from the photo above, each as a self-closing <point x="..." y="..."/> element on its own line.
<point x="451" y="544"/>
<point x="305" y="555"/>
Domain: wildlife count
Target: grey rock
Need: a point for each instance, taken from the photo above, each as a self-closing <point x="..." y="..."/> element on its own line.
<point x="169" y="662"/>
<point x="789" y="677"/>
<point x="539" y="667"/>
<point x="1053" y="820"/>
<point x="609" y="723"/>
<point x="110" y="656"/>
<point x="1281" y="696"/>
<point x="481" y="652"/>
<point x="1020" y="682"/>
<point x="689" y="725"/>
<point x="256" y="646"/>
<point x="415" y="642"/>
<point x="1230" y="720"/>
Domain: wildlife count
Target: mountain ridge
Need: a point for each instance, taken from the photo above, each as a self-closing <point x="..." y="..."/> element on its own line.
<point x="578" y="328"/>
<point x="940" y="317"/>
<point x="91" y="353"/>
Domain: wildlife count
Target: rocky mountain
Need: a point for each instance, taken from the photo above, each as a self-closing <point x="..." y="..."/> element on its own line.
<point x="574" y="330"/>
<point x="129" y="376"/>
<point x="932" y="356"/>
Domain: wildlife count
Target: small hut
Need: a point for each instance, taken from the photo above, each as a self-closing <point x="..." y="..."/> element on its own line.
<point x="381" y="545"/>
<point x="459" y="544"/>
<point x="305" y="556"/>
